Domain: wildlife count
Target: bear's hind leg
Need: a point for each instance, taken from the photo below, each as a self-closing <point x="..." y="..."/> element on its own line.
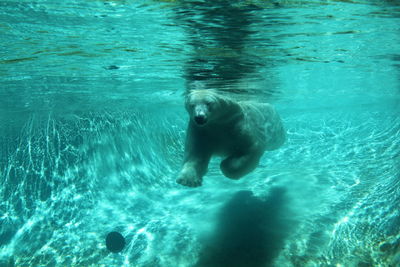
<point x="235" y="167"/>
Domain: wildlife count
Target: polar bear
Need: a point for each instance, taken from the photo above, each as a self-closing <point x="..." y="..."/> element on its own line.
<point x="239" y="131"/>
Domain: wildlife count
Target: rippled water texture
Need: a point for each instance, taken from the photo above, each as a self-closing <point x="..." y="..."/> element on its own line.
<point x="92" y="129"/>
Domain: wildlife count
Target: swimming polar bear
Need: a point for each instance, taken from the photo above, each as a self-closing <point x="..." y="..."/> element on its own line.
<point x="240" y="131"/>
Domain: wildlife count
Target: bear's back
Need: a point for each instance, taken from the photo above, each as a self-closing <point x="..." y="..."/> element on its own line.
<point x="264" y="123"/>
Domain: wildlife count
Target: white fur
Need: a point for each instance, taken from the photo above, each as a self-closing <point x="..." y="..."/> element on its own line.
<point x="239" y="131"/>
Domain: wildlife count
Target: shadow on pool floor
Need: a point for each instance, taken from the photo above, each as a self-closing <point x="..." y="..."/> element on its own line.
<point x="249" y="232"/>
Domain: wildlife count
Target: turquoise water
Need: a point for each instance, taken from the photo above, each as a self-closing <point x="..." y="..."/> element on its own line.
<point x="92" y="130"/>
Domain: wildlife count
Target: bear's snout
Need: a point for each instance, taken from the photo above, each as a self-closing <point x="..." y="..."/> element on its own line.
<point x="200" y="119"/>
<point x="200" y="115"/>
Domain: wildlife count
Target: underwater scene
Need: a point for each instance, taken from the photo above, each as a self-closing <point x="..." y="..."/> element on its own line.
<point x="93" y="126"/>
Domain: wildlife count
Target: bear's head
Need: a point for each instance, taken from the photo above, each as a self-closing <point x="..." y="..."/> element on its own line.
<point x="204" y="106"/>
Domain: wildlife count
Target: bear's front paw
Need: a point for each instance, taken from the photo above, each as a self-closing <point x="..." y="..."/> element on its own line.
<point x="189" y="179"/>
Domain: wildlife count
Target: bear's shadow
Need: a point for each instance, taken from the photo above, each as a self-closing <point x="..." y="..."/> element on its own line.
<point x="249" y="232"/>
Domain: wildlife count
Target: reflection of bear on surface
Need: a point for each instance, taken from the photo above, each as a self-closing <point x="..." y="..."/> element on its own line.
<point x="239" y="131"/>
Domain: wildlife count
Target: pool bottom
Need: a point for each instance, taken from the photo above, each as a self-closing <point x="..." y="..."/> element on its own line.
<point x="327" y="198"/>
